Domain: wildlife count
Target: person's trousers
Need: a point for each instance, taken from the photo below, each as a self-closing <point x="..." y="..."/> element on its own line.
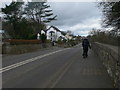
<point x="85" y="51"/>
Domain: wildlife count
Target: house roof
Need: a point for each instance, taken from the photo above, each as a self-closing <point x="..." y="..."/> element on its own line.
<point x="55" y="28"/>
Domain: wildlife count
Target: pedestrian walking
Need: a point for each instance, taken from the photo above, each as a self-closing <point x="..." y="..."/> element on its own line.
<point x="85" y="45"/>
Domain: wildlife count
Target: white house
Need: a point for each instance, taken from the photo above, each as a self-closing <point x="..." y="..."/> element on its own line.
<point x="68" y="36"/>
<point x="53" y="33"/>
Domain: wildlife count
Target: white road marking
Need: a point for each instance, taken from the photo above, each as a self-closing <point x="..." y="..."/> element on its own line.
<point x="27" y="61"/>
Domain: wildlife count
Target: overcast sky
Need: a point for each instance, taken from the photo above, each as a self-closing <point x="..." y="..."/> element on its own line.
<point x="78" y="17"/>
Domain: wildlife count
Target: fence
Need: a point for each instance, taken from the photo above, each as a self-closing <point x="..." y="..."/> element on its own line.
<point x="110" y="58"/>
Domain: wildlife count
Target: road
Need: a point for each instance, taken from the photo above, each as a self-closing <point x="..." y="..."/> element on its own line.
<point x="55" y="68"/>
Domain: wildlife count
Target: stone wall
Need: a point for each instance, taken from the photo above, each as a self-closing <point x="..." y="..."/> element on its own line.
<point x="110" y="57"/>
<point x="19" y="49"/>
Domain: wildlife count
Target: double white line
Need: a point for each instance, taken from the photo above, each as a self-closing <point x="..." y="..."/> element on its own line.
<point x="27" y="61"/>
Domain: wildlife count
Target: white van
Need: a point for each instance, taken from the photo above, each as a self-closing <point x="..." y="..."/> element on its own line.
<point x="3" y="36"/>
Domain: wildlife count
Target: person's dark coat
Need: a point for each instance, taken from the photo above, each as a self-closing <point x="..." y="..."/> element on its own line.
<point x="85" y="43"/>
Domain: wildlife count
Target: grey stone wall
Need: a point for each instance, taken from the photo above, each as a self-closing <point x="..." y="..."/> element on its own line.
<point x="110" y="57"/>
<point x="19" y="49"/>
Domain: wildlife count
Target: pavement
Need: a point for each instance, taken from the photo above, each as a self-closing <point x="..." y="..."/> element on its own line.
<point x="55" y="68"/>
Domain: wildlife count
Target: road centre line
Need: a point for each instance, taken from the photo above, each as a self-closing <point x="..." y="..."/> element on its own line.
<point x="27" y="61"/>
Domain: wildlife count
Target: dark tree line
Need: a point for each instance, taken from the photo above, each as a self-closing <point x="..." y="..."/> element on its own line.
<point x="103" y="36"/>
<point x="24" y="21"/>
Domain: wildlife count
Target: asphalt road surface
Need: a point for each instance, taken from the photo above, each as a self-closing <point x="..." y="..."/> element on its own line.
<point x="54" y="68"/>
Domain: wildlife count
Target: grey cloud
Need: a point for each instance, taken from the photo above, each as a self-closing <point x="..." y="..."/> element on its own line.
<point x="73" y="13"/>
<point x="79" y="17"/>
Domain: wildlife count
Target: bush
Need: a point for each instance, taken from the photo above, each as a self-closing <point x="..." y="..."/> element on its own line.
<point x="32" y="36"/>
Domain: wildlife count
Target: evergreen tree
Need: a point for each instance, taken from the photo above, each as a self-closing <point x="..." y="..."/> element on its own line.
<point x="13" y="15"/>
<point x="39" y="13"/>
